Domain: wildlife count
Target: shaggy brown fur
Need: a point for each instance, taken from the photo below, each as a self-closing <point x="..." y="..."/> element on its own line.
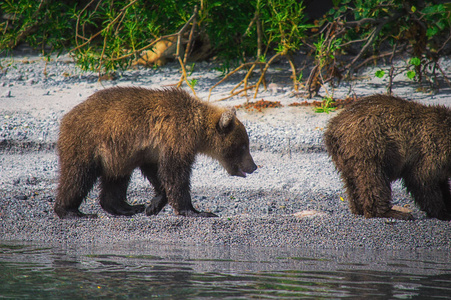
<point x="158" y="131"/>
<point x="380" y="139"/>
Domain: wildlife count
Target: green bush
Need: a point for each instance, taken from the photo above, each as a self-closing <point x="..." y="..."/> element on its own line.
<point x="42" y="24"/>
<point x="105" y="36"/>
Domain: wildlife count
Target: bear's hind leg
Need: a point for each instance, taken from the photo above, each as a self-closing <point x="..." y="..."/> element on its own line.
<point x="446" y="192"/>
<point x="374" y="190"/>
<point x="75" y="182"/>
<point x="429" y="197"/>
<point x="150" y="171"/>
<point x="113" y="196"/>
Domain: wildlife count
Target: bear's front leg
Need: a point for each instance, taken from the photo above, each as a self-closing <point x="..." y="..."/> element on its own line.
<point x="175" y="178"/>
<point x="156" y="204"/>
<point x="180" y="200"/>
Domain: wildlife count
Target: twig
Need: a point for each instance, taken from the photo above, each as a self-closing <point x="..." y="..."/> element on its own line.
<point x="262" y="76"/>
<point x="353" y="41"/>
<point x="444" y="75"/>
<point x="374" y="57"/>
<point x="390" y="80"/>
<point x="392" y="70"/>
<point x="259" y="44"/>
<point x="444" y="44"/>
<point x="255" y="18"/>
<point x="236" y="93"/>
<point x="184" y="76"/>
<point x="230" y="74"/>
<point x="122" y="11"/>
<point x="190" y="39"/>
<point x="360" y="22"/>
<point x="246" y="78"/>
<point x="293" y="70"/>
<point x="237" y="86"/>
<point x="374" y="34"/>
<point x="78" y="21"/>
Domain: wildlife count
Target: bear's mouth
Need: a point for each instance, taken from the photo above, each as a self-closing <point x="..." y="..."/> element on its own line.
<point x="236" y="170"/>
<point x="240" y="173"/>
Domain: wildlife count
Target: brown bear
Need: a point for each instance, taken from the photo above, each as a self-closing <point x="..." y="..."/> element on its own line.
<point x="379" y="139"/>
<point x="158" y="131"/>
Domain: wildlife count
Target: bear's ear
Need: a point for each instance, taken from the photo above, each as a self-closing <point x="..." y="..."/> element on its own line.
<point x="227" y="119"/>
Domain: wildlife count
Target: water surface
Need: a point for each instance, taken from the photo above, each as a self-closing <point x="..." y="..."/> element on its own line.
<point x="131" y="271"/>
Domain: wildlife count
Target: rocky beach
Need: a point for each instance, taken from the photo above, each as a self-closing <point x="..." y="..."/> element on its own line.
<point x="294" y="199"/>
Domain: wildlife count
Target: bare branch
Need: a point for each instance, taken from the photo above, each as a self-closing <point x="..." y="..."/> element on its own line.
<point x="236" y="93"/>
<point x="184" y="76"/>
<point x="262" y="76"/>
<point x="373" y="35"/>
<point x="230" y="74"/>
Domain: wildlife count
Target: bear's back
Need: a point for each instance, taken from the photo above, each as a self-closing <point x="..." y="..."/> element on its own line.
<point x="376" y="124"/>
<point x="133" y="107"/>
<point x="383" y="113"/>
<point x="139" y="100"/>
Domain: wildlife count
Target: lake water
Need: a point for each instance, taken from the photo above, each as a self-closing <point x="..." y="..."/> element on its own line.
<point x="143" y="271"/>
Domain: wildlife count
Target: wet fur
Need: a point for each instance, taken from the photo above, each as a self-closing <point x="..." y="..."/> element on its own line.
<point x="380" y="139"/>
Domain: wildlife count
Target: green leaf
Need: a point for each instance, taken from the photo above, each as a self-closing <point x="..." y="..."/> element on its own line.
<point x="380" y="73"/>
<point x="411" y="74"/>
<point x="434" y="9"/>
<point x="430" y="32"/>
<point x="336" y="3"/>
<point x="413" y="9"/>
<point x="415" y="61"/>
<point x="300" y="76"/>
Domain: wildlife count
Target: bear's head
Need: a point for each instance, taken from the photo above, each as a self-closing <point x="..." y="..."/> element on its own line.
<point x="231" y="146"/>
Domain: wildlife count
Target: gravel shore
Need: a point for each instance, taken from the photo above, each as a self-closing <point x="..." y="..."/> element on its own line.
<point x="295" y="198"/>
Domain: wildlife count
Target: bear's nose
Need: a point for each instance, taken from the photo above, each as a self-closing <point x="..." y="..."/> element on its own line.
<point x="250" y="166"/>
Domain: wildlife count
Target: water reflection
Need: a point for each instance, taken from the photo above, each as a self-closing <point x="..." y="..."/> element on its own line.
<point x="177" y="272"/>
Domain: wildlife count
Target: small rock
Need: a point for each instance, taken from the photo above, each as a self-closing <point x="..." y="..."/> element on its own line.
<point x="308" y="214"/>
<point x="21" y="197"/>
<point x="7" y="94"/>
<point x="274" y="88"/>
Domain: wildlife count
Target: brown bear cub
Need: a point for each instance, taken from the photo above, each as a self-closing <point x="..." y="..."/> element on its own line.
<point x="381" y="138"/>
<point x="158" y="131"/>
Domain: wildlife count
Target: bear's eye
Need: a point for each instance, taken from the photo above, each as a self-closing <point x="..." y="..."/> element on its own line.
<point x="242" y="149"/>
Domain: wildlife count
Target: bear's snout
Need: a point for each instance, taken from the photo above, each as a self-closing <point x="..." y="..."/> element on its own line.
<point x="247" y="166"/>
<point x="250" y="166"/>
